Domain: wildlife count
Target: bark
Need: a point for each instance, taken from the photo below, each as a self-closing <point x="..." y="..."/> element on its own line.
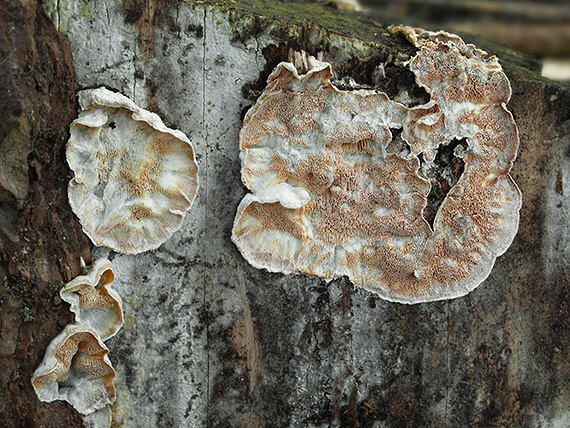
<point x="40" y="239"/>
<point x="211" y="341"/>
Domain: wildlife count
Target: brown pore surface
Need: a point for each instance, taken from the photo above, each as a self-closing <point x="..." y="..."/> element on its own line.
<point x="95" y="304"/>
<point x="134" y="178"/>
<point x="80" y="351"/>
<point x="365" y="214"/>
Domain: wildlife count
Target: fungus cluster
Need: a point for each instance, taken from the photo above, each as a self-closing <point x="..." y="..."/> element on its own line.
<point x="76" y="367"/>
<point x="134" y="178"/>
<point x="328" y="200"/>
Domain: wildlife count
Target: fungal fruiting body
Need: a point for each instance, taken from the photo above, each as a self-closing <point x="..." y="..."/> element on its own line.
<point x="328" y="200"/>
<point x="93" y="300"/>
<point x="134" y="178"/>
<point x="76" y="369"/>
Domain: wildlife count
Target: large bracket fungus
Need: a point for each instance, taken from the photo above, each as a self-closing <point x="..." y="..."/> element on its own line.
<point x="76" y="369"/>
<point x="134" y="177"/>
<point x="328" y="200"/>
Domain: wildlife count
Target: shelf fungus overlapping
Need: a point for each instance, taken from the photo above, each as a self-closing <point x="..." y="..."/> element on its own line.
<point x="134" y="177"/>
<point x="76" y="367"/>
<point x="327" y="199"/>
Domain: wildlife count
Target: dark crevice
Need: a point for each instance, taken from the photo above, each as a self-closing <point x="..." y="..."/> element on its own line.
<point x="273" y="55"/>
<point x="353" y="74"/>
<point x="398" y="146"/>
<point x="443" y="174"/>
<point x="384" y="72"/>
<point x="396" y="82"/>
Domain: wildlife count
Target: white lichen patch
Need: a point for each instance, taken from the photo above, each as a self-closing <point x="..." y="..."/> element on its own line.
<point x="93" y="300"/>
<point x="134" y="177"/>
<point x="328" y="200"/>
<point x="76" y="369"/>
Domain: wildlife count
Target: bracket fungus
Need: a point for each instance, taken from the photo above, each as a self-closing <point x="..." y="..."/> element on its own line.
<point x="76" y="369"/>
<point x="328" y="200"/>
<point x="93" y="301"/>
<point x="134" y="177"/>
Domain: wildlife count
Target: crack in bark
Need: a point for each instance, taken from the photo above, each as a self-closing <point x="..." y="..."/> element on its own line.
<point x="205" y="303"/>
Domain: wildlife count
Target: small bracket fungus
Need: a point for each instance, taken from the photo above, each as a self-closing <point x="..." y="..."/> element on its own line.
<point x="134" y="177"/>
<point x="76" y="369"/>
<point x="93" y="301"/>
<point x="328" y="200"/>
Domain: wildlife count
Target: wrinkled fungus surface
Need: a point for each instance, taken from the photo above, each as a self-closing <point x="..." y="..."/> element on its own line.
<point x="93" y="301"/>
<point x="134" y="177"/>
<point x="328" y="200"/>
<point x="76" y="369"/>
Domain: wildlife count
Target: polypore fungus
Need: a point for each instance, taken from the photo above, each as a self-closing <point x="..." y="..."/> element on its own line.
<point x="93" y="301"/>
<point x="75" y="366"/>
<point x="134" y="177"/>
<point x="76" y="369"/>
<point x="328" y="200"/>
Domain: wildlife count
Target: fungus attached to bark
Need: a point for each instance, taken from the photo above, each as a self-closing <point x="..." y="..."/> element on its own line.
<point x="76" y="369"/>
<point x="93" y="301"/>
<point x="134" y="177"/>
<point x="328" y="200"/>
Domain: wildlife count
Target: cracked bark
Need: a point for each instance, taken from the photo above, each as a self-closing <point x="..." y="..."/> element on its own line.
<point x="41" y="249"/>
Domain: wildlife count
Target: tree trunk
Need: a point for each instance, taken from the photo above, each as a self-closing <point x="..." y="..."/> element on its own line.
<point x="208" y="339"/>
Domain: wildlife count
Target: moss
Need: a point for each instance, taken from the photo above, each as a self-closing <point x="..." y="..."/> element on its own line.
<point x="373" y="32"/>
<point x="27" y="314"/>
<point x="299" y="13"/>
<point x="87" y="10"/>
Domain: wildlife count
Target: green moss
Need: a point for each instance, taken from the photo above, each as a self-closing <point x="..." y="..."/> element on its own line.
<point x="87" y="10"/>
<point x="291" y="13"/>
<point x="348" y="24"/>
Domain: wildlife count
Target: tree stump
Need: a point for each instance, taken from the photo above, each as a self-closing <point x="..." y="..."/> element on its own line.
<point x="208" y="339"/>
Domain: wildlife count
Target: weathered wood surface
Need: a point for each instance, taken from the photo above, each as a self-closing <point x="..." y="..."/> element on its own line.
<point x="211" y="341"/>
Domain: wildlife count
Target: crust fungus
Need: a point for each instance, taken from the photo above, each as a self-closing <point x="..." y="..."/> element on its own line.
<point x="93" y="301"/>
<point x="76" y="369"/>
<point x="134" y="177"/>
<point x="328" y="200"/>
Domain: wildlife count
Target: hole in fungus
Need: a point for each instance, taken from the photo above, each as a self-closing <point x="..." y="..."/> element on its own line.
<point x="112" y="125"/>
<point x="443" y="174"/>
<point x="398" y="146"/>
<point x="400" y="85"/>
